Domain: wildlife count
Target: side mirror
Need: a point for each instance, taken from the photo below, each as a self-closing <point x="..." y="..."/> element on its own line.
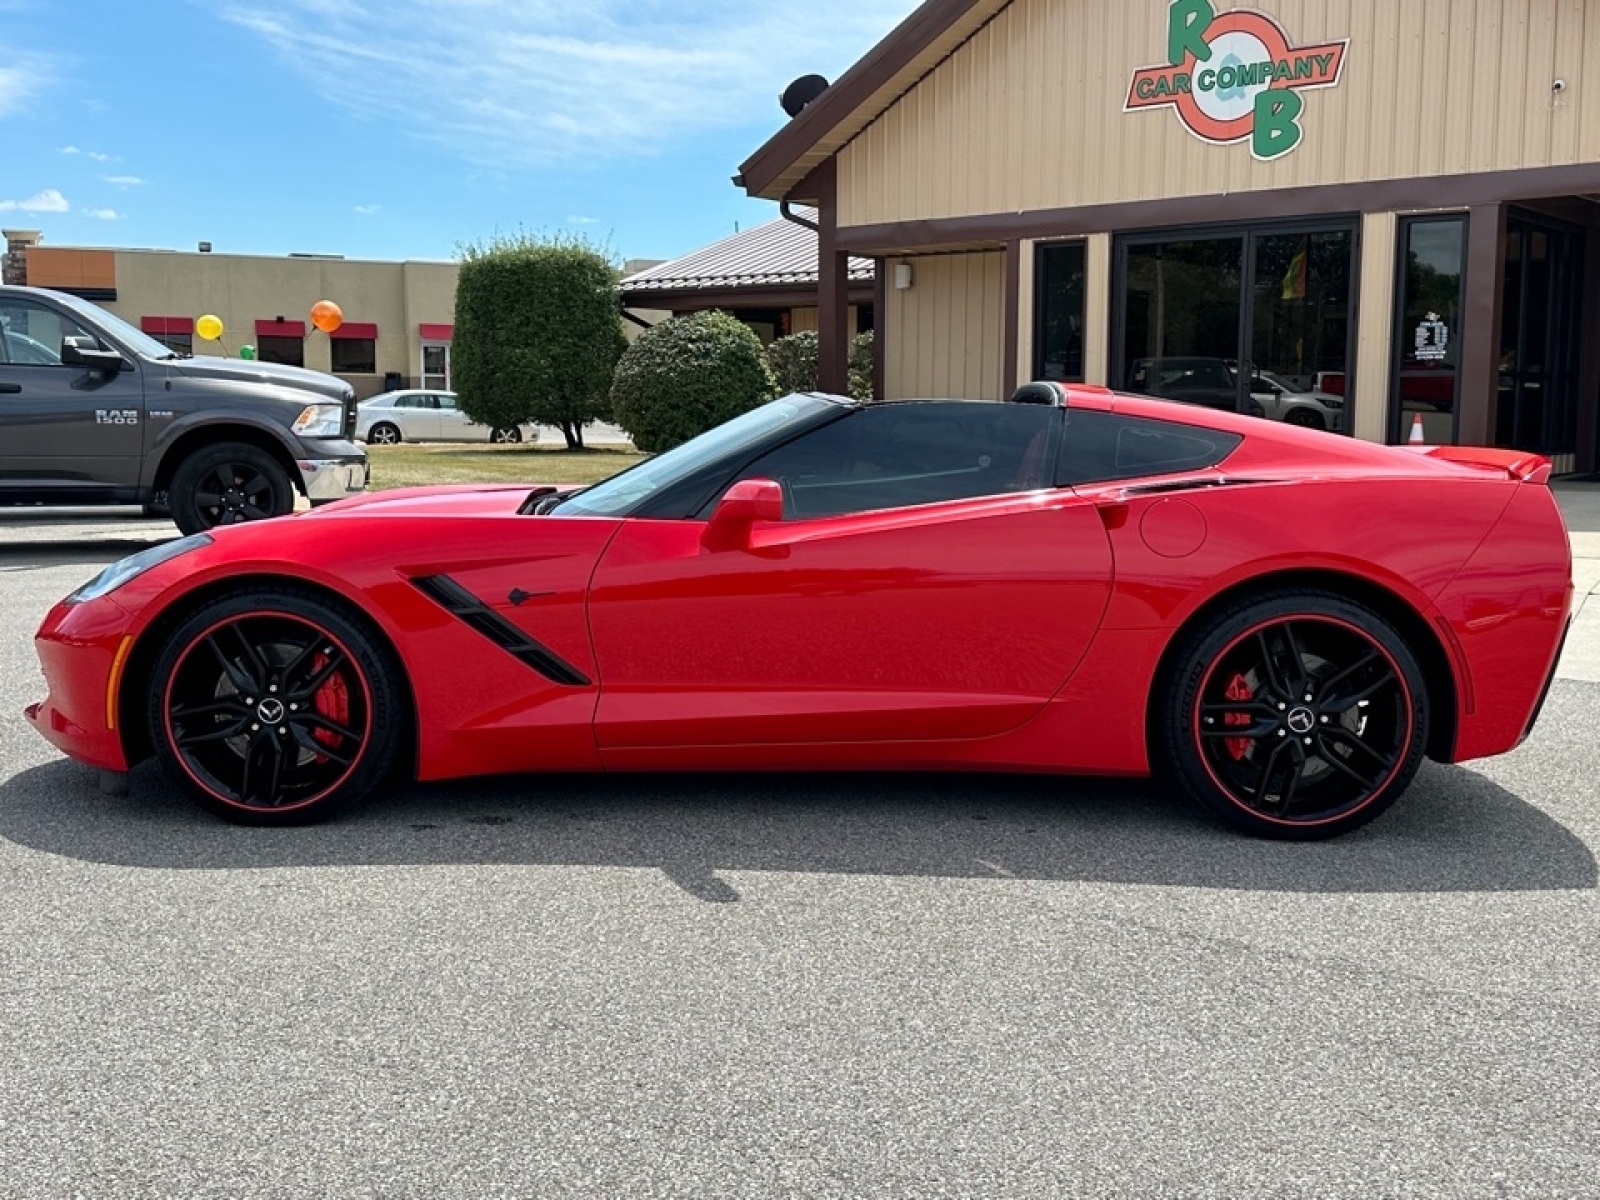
<point x="742" y="505"/>
<point x="86" y="352"/>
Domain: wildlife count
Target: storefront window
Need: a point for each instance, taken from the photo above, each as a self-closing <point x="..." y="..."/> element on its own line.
<point x="1428" y="333"/>
<point x="1058" y="313"/>
<point x="1255" y="322"/>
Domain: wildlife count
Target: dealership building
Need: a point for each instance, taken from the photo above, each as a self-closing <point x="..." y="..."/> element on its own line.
<point x="1393" y="208"/>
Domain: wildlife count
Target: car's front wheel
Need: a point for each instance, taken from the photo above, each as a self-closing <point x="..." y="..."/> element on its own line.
<point x="228" y="483"/>
<point x="507" y="435"/>
<point x="384" y="434"/>
<point x="1306" y="418"/>
<point x="274" y="707"/>
<point x="1295" y="715"/>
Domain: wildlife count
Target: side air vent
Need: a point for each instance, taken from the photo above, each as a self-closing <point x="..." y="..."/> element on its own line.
<point x="456" y="600"/>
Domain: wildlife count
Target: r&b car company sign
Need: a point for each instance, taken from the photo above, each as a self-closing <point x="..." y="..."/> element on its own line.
<point x="1234" y="76"/>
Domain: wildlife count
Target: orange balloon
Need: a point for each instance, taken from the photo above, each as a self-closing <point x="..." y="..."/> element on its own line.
<point x="326" y="316"/>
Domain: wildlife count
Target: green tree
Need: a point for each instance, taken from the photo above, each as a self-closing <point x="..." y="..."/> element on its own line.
<point x="538" y="333"/>
<point x="793" y="360"/>
<point x="687" y="375"/>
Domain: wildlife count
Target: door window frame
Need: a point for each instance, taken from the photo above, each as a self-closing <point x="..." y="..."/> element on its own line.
<point x="424" y="376"/>
<point x="1395" y="427"/>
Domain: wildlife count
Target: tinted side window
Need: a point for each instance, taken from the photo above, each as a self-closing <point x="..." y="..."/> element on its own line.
<point x="33" y="334"/>
<point x="898" y="455"/>
<point x="1101" y="446"/>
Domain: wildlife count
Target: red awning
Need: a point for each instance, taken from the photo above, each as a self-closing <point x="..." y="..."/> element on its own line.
<point x="435" y="333"/>
<point x="357" y="329"/>
<point x="166" y="325"/>
<point x="294" y="329"/>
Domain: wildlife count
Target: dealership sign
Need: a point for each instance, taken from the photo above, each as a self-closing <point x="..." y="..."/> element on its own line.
<point x="1234" y="76"/>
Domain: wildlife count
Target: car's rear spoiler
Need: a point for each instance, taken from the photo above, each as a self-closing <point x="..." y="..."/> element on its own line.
<point x="1517" y="464"/>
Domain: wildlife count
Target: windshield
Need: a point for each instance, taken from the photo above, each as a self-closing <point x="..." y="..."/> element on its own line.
<point x="621" y="494"/>
<point x="133" y="339"/>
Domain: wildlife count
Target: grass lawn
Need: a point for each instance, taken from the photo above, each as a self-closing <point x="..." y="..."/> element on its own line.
<point x="412" y="465"/>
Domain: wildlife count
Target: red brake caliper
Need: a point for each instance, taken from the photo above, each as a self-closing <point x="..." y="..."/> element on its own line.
<point x="332" y="700"/>
<point x="1238" y="689"/>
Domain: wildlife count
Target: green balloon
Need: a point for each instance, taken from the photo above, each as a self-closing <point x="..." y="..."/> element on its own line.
<point x="247" y="352"/>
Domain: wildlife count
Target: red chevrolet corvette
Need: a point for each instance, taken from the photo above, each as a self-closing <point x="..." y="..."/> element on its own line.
<point x="1284" y="621"/>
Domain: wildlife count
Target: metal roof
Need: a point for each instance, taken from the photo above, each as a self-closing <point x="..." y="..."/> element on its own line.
<point x="774" y="254"/>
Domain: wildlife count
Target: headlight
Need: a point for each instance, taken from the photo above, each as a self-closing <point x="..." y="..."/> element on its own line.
<point x="320" y="420"/>
<point x="135" y="565"/>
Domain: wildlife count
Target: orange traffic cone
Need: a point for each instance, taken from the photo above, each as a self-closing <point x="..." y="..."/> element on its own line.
<point x="1417" y="438"/>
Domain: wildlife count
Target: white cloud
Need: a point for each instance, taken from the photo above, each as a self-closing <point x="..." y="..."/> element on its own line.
<point x="123" y="180"/>
<point x="47" y="201"/>
<point x="583" y="220"/>
<point x="531" y="81"/>
<point x="103" y="214"/>
<point x="366" y="210"/>
<point x="20" y="78"/>
<point x="95" y="155"/>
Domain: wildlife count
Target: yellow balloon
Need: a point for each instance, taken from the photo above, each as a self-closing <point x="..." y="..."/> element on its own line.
<point x="209" y="327"/>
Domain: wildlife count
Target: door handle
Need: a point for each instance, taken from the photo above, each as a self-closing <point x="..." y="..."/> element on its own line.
<point x="10" y="387"/>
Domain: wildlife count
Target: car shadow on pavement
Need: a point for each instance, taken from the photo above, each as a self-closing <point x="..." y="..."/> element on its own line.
<point x="1454" y="831"/>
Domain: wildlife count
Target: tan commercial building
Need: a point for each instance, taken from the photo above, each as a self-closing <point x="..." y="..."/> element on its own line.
<point x="1392" y="207"/>
<point x="397" y="316"/>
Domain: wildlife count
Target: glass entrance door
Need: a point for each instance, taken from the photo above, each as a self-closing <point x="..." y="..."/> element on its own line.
<point x="435" y="373"/>
<point x="1256" y="321"/>
<point x="1537" y="408"/>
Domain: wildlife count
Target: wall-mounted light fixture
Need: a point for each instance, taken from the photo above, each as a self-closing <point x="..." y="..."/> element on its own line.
<point x="902" y="276"/>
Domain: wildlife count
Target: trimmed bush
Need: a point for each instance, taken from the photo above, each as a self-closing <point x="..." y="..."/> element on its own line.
<point x="538" y="334"/>
<point x="861" y="366"/>
<point x="688" y="375"/>
<point x="793" y="360"/>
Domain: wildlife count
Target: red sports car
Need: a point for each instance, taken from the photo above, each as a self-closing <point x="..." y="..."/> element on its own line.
<point x="1284" y="621"/>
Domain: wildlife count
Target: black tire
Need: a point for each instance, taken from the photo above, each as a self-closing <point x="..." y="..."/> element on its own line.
<point x="384" y="433"/>
<point x="227" y="483"/>
<point x="1306" y="418"/>
<point x="1297" y="715"/>
<point x="506" y="436"/>
<point x="273" y="707"/>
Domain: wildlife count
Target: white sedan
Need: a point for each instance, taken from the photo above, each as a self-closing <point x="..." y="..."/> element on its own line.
<point x="421" y="415"/>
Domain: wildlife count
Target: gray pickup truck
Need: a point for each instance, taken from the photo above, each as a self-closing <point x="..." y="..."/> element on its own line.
<point x="92" y="411"/>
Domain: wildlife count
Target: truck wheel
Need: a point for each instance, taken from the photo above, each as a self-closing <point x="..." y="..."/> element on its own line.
<point x="227" y="483"/>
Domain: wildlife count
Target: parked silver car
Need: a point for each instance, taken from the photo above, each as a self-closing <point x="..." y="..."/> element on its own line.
<point x="427" y="415"/>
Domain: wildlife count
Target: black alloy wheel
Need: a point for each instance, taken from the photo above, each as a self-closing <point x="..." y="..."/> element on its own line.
<point x="1297" y="715"/>
<point x="275" y="708"/>
<point x="383" y="434"/>
<point x="1306" y="418"/>
<point x="226" y="484"/>
<point x="506" y="436"/>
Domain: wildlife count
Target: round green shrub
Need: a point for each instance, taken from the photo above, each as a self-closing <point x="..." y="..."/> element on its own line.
<point x="861" y="366"/>
<point x="687" y="375"/>
<point x="793" y="360"/>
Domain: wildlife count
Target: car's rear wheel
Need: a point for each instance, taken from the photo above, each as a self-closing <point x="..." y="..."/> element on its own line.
<point x="384" y="434"/>
<point x="273" y="707"/>
<point x="1306" y="418"/>
<point x="228" y="483"/>
<point x="507" y="435"/>
<point x="1296" y="715"/>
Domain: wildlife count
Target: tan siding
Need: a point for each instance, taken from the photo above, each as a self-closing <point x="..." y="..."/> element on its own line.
<point x="1097" y="310"/>
<point x="1368" y="401"/>
<point x="944" y="332"/>
<point x="1027" y="114"/>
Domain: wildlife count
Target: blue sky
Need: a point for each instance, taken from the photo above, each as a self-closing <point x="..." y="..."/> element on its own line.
<point x="396" y="129"/>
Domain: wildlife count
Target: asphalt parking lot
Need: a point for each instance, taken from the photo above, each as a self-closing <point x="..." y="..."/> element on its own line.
<point x="942" y="985"/>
